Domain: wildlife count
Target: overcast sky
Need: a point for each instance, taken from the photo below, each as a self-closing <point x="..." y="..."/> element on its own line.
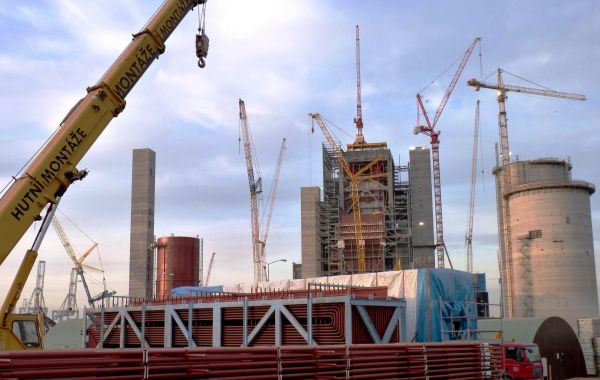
<point x="286" y="59"/>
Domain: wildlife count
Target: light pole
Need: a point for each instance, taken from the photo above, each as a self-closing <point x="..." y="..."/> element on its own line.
<point x="269" y="265"/>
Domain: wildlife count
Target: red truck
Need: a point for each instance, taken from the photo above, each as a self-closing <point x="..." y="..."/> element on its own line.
<point x="522" y="361"/>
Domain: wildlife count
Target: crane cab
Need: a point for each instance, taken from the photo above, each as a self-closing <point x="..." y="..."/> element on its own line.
<point x="22" y="332"/>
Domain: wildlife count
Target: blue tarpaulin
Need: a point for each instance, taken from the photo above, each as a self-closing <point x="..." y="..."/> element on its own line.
<point x="445" y="298"/>
<point x="187" y="291"/>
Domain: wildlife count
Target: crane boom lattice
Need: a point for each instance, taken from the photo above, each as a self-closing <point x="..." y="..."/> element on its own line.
<point x="469" y="235"/>
<point x="271" y="201"/>
<point x="255" y="189"/>
<point x="429" y="130"/>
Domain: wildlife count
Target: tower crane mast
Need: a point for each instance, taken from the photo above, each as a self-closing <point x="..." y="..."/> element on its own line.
<point x="358" y="119"/>
<point x="504" y="182"/>
<point x="255" y="190"/>
<point x="429" y="130"/>
<point x="469" y="234"/>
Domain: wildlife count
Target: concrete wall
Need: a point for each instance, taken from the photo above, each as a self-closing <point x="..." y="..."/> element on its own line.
<point x="552" y="255"/>
<point x="142" y="223"/>
<point x="421" y="205"/>
<point x="309" y="226"/>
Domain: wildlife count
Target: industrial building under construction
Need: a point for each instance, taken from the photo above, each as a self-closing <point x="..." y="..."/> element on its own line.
<point x="367" y="220"/>
<point x="395" y="207"/>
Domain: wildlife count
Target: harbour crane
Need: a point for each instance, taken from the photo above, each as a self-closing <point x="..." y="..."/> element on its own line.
<point x="255" y="190"/>
<point x="429" y="130"/>
<point x="210" y="266"/>
<point x="36" y="302"/>
<point x="68" y="309"/>
<point x="354" y="180"/>
<point x="503" y="182"/>
<point x="469" y="234"/>
<point x="271" y="202"/>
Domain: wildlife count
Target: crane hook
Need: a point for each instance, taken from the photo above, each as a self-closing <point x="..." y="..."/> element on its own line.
<point x="201" y="47"/>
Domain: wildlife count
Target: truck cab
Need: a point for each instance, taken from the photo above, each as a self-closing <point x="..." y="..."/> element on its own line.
<point x="522" y="361"/>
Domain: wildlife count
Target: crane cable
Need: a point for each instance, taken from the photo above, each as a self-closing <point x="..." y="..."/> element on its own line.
<point x="104" y="286"/>
<point x="202" y="40"/>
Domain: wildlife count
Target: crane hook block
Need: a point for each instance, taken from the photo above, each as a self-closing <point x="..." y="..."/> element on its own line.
<point x="201" y="48"/>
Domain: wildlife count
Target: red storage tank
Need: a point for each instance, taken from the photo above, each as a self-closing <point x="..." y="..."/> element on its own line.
<point x="177" y="263"/>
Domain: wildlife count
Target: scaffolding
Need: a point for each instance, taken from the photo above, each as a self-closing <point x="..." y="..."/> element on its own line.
<point x="384" y="205"/>
<point x="398" y="245"/>
<point x="526" y="274"/>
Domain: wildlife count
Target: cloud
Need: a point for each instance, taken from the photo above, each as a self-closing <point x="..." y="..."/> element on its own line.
<point x="285" y="59"/>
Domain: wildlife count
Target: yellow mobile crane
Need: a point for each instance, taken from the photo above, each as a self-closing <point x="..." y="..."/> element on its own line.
<point x="53" y="169"/>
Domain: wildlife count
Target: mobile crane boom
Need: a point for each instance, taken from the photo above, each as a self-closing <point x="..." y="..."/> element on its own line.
<point x="44" y="181"/>
<point x="53" y="170"/>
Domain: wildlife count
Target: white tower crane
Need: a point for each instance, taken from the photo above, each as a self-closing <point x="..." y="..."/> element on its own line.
<point x="255" y="190"/>
<point x="503" y="183"/>
<point x="469" y="234"/>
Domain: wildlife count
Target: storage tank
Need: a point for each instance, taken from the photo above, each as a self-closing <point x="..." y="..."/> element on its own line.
<point x="550" y="267"/>
<point x="177" y="263"/>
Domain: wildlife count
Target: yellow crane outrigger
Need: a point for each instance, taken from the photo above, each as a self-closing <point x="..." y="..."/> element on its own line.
<point x="53" y="169"/>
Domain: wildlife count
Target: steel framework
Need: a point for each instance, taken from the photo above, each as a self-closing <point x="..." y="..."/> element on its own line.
<point x="311" y="319"/>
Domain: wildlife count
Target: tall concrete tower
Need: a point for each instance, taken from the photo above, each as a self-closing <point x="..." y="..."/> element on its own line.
<point x="141" y="263"/>
<point x="547" y="260"/>
<point x="421" y="207"/>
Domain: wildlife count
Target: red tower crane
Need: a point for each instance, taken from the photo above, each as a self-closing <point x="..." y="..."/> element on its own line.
<point x="430" y="130"/>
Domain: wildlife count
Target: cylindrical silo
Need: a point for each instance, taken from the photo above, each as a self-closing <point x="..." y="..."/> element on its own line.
<point x="177" y="263"/>
<point x="549" y="268"/>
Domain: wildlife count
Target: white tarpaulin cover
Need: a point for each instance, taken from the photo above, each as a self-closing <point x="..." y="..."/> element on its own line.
<point x="429" y="293"/>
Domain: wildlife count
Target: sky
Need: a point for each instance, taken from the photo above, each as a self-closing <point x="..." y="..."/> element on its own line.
<point x="286" y="59"/>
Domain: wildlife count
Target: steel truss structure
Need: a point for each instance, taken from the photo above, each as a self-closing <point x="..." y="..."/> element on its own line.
<point x="311" y="320"/>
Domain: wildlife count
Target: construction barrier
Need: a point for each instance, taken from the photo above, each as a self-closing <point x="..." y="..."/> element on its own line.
<point x="465" y="360"/>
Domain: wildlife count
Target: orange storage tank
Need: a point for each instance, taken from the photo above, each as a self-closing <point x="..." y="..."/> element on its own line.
<point x="177" y="263"/>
